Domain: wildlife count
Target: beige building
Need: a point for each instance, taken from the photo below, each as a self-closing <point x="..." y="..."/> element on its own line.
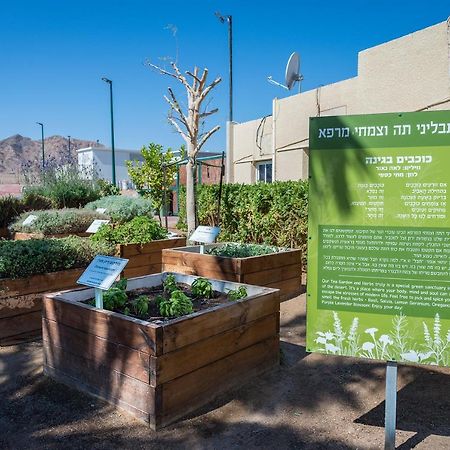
<point x="411" y="73"/>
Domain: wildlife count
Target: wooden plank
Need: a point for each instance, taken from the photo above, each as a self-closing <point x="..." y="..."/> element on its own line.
<point x="266" y="277"/>
<point x="128" y="250"/>
<point x="99" y="350"/>
<point x="224" y="317"/>
<point x="105" y="324"/>
<point x="144" y="260"/>
<point x="188" y="393"/>
<point x="22" y="304"/>
<point x="100" y="380"/>
<point x="141" y="271"/>
<point x="271" y="261"/>
<point x="46" y="282"/>
<point x="74" y="383"/>
<point x="187" y="359"/>
<point x="198" y="261"/>
<point x="287" y="287"/>
<point x="21" y="338"/>
<point x="201" y="272"/>
<point x="23" y="323"/>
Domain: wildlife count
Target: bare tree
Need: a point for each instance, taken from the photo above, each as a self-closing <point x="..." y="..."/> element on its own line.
<point x="189" y="124"/>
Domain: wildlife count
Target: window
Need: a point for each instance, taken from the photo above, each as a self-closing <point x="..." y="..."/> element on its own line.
<point x="264" y="171"/>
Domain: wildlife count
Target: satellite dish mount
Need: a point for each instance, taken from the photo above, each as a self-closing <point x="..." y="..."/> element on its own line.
<point x="293" y="74"/>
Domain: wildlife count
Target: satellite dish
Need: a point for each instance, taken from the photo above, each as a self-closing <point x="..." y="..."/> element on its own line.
<point x="292" y="73"/>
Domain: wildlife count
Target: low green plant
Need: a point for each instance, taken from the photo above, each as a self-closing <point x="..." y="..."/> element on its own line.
<point x="140" y="230"/>
<point x="57" y="221"/>
<point x="235" y="250"/>
<point x="201" y="287"/>
<point x="170" y="284"/>
<point x="116" y="296"/>
<point x="177" y="305"/>
<point x="121" y="208"/>
<point x="20" y="259"/>
<point x="237" y="294"/>
<point x="141" y="305"/>
<point x="33" y="201"/>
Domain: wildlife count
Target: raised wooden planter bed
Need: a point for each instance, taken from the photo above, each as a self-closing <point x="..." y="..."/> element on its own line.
<point x="161" y="371"/>
<point x="277" y="270"/>
<point x="146" y="259"/>
<point x="21" y="303"/>
<point x="18" y="236"/>
<point x="21" y="299"/>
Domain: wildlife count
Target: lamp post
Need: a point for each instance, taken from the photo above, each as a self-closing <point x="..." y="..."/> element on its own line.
<point x="229" y="20"/>
<point x="42" y="143"/>
<point x="68" y="137"/>
<point x="113" y="151"/>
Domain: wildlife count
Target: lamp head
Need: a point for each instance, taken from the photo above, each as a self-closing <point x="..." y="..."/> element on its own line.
<point x="41" y="124"/>
<point x="106" y="80"/>
<point x="219" y="16"/>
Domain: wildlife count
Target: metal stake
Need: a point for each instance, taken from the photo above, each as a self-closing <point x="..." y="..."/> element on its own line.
<point x="390" y="417"/>
<point x="98" y="298"/>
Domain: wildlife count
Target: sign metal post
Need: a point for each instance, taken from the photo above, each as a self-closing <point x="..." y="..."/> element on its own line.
<point x="390" y="415"/>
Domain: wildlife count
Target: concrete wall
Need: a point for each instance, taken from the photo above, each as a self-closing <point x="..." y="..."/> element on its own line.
<point x="407" y="74"/>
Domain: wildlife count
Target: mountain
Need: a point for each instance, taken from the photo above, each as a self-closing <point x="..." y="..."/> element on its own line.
<point x="17" y="151"/>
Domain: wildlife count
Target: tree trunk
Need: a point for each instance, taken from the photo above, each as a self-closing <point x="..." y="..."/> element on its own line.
<point x="190" y="196"/>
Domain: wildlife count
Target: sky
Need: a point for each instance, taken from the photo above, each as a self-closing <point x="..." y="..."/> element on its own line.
<point x="54" y="54"/>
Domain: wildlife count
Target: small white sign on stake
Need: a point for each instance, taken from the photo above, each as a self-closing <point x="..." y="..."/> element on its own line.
<point x="205" y="235"/>
<point x="29" y="220"/>
<point x="101" y="210"/>
<point x="96" y="224"/>
<point x="101" y="274"/>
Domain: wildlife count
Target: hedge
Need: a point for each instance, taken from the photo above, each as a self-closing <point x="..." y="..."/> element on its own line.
<point x="20" y="259"/>
<point x="263" y="213"/>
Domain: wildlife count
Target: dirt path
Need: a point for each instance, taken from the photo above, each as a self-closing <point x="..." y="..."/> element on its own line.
<point x="310" y="402"/>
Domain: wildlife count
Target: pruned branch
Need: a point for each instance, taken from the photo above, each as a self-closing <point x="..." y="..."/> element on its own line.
<point x="208" y="113"/>
<point x="206" y="137"/>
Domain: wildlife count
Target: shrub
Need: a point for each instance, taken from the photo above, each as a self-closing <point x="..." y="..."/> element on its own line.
<point x="10" y="208"/>
<point x="121" y="208"/>
<point x="65" y="187"/>
<point x="19" y="259"/>
<point x="33" y="201"/>
<point x="57" y="221"/>
<point x="140" y="230"/>
<point x="107" y="188"/>
<point x="263" y="213"/>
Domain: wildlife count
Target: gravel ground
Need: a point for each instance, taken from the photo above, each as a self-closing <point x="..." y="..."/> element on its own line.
<point x="310" y="402"/>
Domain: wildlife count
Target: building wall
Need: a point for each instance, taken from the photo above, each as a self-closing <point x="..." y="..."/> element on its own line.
<point x="407" y="74"/>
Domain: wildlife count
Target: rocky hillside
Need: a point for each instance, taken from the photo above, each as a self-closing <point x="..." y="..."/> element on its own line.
<point x="17" y="151"/>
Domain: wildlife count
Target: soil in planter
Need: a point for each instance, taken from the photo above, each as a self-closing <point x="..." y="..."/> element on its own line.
<point x="153" y="313"/>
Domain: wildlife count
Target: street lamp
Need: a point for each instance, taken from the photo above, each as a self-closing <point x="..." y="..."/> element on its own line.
<point x="42" y="142"/>
<point x="68" y="137"/>
<point x="229" y="19"/>
<point x="106" y="80"/>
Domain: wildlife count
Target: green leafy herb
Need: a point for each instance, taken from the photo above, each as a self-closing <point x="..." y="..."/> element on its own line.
<point x="237" y="294"/>
<point x="201" y="287"/>
<point x="116" y="297"/>
<point x="177" y="305"/>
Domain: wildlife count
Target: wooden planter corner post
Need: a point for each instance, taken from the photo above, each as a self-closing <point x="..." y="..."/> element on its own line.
<point x="280" y="270"/>
<point x="146" y="259"/>
<point x="161" y="371"/>
<point x="21" y="303"/>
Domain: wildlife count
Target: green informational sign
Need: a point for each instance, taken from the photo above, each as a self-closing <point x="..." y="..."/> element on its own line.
<point x="379" y="237"/>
